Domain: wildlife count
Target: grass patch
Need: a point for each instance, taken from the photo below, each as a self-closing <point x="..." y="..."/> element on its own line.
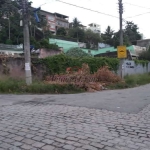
<point x="9" y="86"/>
<point x="132" y="81"/>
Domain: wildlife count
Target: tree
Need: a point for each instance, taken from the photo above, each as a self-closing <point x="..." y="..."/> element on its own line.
<point x="108" y="36"/>
<point x="77" y="33"/>
<point x="92" y="39"/>
<point x="61" y="31"/>
<point x="9" y="13"/>
<point x="9" y="9"/>
<point x="116" y="39"/>
<point x="131" y="31"/>
<point x="76" y="23"/>
<point x="77" y="52"/>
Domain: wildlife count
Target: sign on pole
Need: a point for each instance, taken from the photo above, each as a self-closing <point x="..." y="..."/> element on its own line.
<point x="122" y="52"/>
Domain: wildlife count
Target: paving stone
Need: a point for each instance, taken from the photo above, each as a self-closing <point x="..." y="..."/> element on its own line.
<point x="97" y="145"/>
<point x="48" y="147"/>
<point x="72" y="139"/>
<point x="59" y="140"/>
<point x="57" y="144"/>
<point x="5" y="145"/>
<point x="133" y="146"/>
<point x="84" y="142"/>
<point x="25" y="146"/>
<point x="76" y="144"/>
<point x="47" y="141"/>
<point x="28" y="141"/>
<point x="18" y="138"/>
<point x="29" y="136"/>
<point x="140" y="144"/>
<point x="107" y="144"/>
<point x="8" y="140"/>
<point x="36" y="126"/>
<point x="69" y="147"/>
<point x="88" y="147"/>
<point x="17" y="143"/>
<point x="110" y="148"/>
<point x="38" y="144"/>
<point x="38" y="138"/>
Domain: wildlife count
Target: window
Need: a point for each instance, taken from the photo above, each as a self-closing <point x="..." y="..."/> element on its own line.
<point x="52" y="26"/>
<point x="51" y="18"/>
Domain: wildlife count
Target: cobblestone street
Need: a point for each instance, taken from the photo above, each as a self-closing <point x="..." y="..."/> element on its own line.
<point x="43" y="126"/>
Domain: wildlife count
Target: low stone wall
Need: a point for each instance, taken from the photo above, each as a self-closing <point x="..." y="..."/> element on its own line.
<point x="45" y="53"/>
<point x="15" y="67"/>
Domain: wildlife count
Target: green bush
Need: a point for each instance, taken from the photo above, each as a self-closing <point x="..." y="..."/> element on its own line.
<point x="57" y="64"/>
<point x="9" y="42"/>
<point x="77" y="52"/>
<point x="44" y="43"/>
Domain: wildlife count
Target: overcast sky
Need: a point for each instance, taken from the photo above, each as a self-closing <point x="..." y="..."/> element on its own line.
<point x="105" y="6"/>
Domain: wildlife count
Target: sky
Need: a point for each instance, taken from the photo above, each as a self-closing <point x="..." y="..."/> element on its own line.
<point x="109" y="7"/>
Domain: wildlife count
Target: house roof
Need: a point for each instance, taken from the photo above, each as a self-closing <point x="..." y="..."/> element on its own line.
<point x="68" y="44"/>
<point x="58" y="14"/>
<point x="64" y="16"/>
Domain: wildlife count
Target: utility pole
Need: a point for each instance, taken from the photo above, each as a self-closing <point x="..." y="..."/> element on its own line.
<point x="9" y="27"/>
<point x="26" y="42"/>
<point x="120" y="18"/>
<point x="121" y="35"/>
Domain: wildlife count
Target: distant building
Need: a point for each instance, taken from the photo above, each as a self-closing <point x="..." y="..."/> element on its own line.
<point x="103" y="45"/>
<point x="143" y="43"/>
<point x="95" y="28"/>
<point x="55" y="20"/>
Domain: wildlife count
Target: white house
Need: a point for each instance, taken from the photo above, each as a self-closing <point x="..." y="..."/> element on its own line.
<point x="95" y="28"/>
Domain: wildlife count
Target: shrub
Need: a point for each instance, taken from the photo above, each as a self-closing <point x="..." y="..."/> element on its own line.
<point x="77" y="52"/>
<point x="9" y="42"/>
<point x="44" y="43"/>
<point x="59" y="63"/>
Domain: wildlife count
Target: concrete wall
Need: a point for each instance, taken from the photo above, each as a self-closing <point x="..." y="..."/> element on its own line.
<point x="45" y="53"/>
<point x="15" y="67"/>
<point x="130" y="68"/>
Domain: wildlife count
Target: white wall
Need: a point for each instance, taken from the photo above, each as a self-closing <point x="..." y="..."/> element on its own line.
<point x="130" y="68"/>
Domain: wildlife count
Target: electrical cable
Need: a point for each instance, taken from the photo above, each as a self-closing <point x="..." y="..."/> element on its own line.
<point x="87" y="9"/>
<point x="136" y="5"/>
<point x="138" y="15"/>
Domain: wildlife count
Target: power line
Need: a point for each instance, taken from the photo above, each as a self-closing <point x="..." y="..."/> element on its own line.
<point x="138" y="15"/>
<point x="87" y="9"/>
<point x="136" y="5"/>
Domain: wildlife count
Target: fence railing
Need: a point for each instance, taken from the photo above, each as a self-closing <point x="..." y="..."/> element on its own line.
<point x="5" y="46"/>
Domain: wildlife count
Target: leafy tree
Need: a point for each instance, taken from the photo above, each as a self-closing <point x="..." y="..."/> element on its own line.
<point x="77" y="52"/>
<point x="116" y="39"/>
<point x="92" y="38"/>
<point x="108" y="36"/>
<point x="77" y="33"/>
<point x="131" y="30"/>
<point x="76" y="23"/>
<point x="9" y="9"/>
<point x="61" y="31"/>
